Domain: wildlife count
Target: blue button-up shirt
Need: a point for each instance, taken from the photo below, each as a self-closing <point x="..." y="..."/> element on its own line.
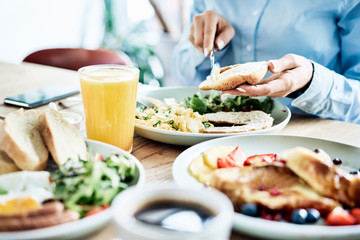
<point x="325" y="31"/>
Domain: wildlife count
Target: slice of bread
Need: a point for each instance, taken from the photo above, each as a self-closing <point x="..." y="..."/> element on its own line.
<point x="241" y="121"/>
<point x="61" y="137"/>
<point x="20" y="138"/>
<point x="7" y="165"/>
<point x="232" y="76"/>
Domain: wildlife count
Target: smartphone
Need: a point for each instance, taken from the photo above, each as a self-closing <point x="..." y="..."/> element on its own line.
<point x="42" y="96"/>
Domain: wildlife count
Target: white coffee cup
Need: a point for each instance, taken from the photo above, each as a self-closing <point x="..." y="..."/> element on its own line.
<point x="128" y="204"/>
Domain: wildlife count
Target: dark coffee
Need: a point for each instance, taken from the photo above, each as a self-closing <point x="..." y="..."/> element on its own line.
<point x="175" y="215"/>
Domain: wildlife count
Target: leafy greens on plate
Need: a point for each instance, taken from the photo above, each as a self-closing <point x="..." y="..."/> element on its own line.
<point x="85" y="184"/>
<point x="213" y="102"/>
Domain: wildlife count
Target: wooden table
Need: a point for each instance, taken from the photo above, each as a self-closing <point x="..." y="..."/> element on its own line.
<point x="157" y="158"/>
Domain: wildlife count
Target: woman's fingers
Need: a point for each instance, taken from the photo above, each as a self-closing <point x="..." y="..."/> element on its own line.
<point x="224" y="36"/>
<point x="210" y="28"/>
<point x="274" y="88"/>
<point x="198" y="32"/>
<point x="210" y="25"/>
<point x="287" y="62"/>
<point x="290" y="73"/>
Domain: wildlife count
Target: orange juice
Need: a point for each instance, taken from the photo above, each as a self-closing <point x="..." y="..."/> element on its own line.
<point x="109" y="99"/>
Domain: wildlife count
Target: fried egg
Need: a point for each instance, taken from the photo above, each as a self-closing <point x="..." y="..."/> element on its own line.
<point x="24" y="191"/>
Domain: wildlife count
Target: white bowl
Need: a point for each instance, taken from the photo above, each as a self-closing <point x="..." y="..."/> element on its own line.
<point x="73" y="118"/>
<point x="131" y="201"/>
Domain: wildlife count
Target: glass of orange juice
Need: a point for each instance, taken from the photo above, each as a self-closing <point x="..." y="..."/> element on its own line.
<point x="109" y="99"/>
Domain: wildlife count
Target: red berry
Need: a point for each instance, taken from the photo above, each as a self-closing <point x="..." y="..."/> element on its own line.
<point x="339" y="216"/>
<point x="274" y="191"/>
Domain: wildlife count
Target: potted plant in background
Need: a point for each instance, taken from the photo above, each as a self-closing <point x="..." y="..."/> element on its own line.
<point x="134" y="43"/>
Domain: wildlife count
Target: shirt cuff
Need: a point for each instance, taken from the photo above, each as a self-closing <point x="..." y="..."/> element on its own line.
<point x="314" y="98"/>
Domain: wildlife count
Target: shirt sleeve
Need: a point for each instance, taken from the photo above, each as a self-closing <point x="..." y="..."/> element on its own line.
<point x="337" y="95"/>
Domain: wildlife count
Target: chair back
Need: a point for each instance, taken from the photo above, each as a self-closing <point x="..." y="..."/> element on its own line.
<point x="75" y="58"/>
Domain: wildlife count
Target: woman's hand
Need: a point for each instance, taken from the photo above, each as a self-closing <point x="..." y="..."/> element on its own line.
<point x="290" y="73"/>
<point x="210" y="28"/>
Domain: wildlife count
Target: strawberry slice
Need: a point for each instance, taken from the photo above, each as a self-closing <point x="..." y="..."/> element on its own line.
<point x="235" y="159"/>
<point x="356" y="213"/>
<point x="225" y="162"/>
<point x="339" y="217"/>
<point x="269" y="158"/>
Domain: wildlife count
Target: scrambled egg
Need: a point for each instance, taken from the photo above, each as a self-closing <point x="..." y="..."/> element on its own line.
<point x="175" y="118"/>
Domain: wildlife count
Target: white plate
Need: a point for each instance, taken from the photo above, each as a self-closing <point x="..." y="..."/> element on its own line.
<point x="280" y="113"/>
<point x="258" y="144"/>
<point x="86" y="225"/>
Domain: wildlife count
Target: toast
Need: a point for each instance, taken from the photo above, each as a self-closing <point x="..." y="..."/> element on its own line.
<point x="230" y="77"/>
<point x="240" y="121"/>
<point x="7" y="165"/>
<point x="21" y="140"/>
<point x="61" y="137"/>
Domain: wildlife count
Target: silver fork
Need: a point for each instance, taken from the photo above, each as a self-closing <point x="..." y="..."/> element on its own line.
<point x="212" y="58"/>
<point x="212" y="61"/>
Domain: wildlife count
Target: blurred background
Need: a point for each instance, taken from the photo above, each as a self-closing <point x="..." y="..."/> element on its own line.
<point x="146" y="30"/>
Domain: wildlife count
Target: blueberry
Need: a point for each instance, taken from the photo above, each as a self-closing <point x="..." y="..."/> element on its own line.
<point x="313" y="215"/>
<point x="353" y="172"/>
<point x="299" y="216"/>
<point x="250" y="209"/>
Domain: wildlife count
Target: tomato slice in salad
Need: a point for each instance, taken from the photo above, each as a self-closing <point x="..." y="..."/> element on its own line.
<point x="97" y="209"/>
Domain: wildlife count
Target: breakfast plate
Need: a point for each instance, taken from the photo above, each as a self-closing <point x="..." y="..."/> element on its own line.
<point x="261" y="144"/>
<point x="280" y="113"/>
<point x="88" y="224"/>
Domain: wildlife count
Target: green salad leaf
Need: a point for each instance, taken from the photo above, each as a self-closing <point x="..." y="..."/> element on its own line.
<point x="3" y="191"/>
<point x="212" y="103"/>
<point x="83" y="184"/>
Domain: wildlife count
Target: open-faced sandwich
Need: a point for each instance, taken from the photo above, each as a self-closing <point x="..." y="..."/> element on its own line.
<point x="230" y="77"/>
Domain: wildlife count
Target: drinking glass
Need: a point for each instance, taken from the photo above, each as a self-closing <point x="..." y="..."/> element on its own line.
<point x="109" y="99"/>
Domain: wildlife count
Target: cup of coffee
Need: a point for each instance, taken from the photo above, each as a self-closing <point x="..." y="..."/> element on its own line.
<point x="172" y="213"/>
<point x="109" y="99"/>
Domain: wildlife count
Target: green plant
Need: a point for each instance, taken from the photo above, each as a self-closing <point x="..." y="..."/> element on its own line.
<point x="134" y="44"/>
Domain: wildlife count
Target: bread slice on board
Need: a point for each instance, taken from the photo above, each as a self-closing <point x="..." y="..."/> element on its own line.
<point x="241" y="121"/>
<point x="230" y="77"/>
<point x="20" y="138"/>
<point x="7" y="165"/>
<point x="61" y="137"/>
